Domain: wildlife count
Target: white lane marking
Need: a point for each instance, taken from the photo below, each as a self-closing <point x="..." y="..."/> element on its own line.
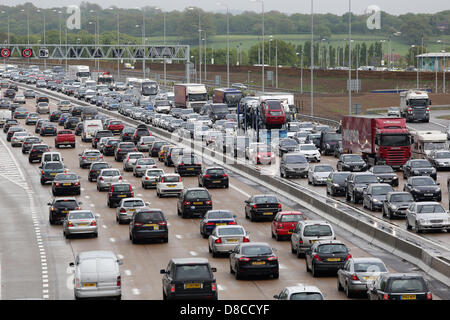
<point x="193" y="253"/>
<point x="0" y="278"/>
<point x="282" y="266"/>
<point x="104" y="227"/>
<point x="178" y="236"/>
<point x="120" y="256"/>
<point x="128" y="272"/>
<point x="239" y="190"/>
<point x="112" y="240"/>
<point x="221" y="287"/>
<point x="87" y="197"/>
<point x="92" y="205"/>
<point x="136" y="291"/>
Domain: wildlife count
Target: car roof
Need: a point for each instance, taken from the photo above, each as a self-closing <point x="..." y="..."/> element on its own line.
<point x="96" y="254"/>
<point x="249" y="244"/>
<point x="366" y="259"/>
<point x="401" y="275"/>
<point x="289" y="212"/>
<point x="190" y="261"/>
<point x="319" y="242"/>
<point x="303" y="288"/>
<point x="314" y="222"/>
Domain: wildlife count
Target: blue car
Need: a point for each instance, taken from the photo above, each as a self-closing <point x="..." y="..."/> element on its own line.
<point x="63" y="118"/>
<point x="215" y="218"/>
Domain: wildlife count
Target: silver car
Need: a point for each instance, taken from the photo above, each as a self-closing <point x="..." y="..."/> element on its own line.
<point x="357" y="273"/>
<point x="145" y="142"/>
<point x="151" y="177"/>
<point x="427" y="216"/>
<point x="307" y="232"/>
<point x="108" y="176"/>
<point x="97" y="274"/>
<point x="300" y="292"/>
<point x="127" y="208"/>
<point x="318" y="174"/>
<point x="142" y="165"/>
<point x="80" y="222"/>
<point x="89" y="156"/>
<point x="18" y="138"/>
<point x="102" y="142"/>
<point x="130" y="160"/>
<point x="225" y="238"/>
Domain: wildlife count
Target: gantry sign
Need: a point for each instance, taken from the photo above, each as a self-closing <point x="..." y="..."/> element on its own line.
<point x="92" y="51"/>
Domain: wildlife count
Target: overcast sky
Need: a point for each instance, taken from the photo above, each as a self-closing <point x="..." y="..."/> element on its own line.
<point x="339" y="7"/>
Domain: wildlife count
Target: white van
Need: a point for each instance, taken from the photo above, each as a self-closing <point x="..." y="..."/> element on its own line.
<point x="52" y="156"/>
<point x="89" y="129"/>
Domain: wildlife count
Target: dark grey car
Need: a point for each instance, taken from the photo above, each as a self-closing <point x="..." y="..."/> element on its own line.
<point x="396" y="204"/>
<point x="294" y="164"/>
<point x="375" y="194"/>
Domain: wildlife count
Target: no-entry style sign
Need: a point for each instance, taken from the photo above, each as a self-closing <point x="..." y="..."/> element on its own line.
<point x="5" y="53"/>
<point x="27" y="53"/>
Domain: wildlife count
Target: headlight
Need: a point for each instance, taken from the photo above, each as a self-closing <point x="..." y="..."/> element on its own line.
<point x="394" y="207"/>
<point x="416" y="171"/>
<point x="433" y="171"/>
<point x="376" y="200"/>
<point x="415" y="190"/>
<point x="423" y="221"/>
<point x="359" y="189"/>
<point x="335" y="185"/>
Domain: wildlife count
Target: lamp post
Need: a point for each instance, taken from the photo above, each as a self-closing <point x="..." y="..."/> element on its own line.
<point x="262" y="9"/>
<point x="228" y="43"/>
<point x="199" y="44"/>
<point x="28" y="25"/>
<point x="312" y="58"/>
<point x="7" y="17"/>
<point x="349" y="57"/>
<point x="43" y="13"/>
<point x="118" y="40"/>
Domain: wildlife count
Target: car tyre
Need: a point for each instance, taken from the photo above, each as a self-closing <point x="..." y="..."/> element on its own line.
<point x="313" y="271"/>
<point x="408" y="227"/>
<point x="348" y="293"/>
<point x="339" y="286"/>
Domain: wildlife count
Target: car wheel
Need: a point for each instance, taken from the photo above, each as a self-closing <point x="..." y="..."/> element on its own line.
<point x="408" y="227"/>
<point x="277" y="237"/>
<point x="313" y="271"/>
<point x="276" y="275"/>
<point x="307" y="267"/>
<point x="237" y="275"/>
<point x="231" y="269"/>
<point x="214" y="254"/>
<point x="339" y="286"/>
<point x="252" y="217"/>
<point x="417" y="229"/>
<point x="300" y="254"/>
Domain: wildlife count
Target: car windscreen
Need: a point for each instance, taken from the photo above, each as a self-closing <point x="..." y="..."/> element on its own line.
<point x="353" y="158"/>
<point x="273" y="104"/>
<point x="382" y="169"/>
<point x="308" y="148"/>
<point x="219" y="215"/>
<point x="369" y="267"/>
<point x="265" y="199"/>
<point x="407" y="285"/>
<point x="423" y="181"/>
<point x="256" y="250"/>
<point x="420" y="164"/>
<point x="340" y="177"/>
<point x="288" y="143"/>
<point x="306" y="296"/>
<point x="317" y="230"/>
<point x="231" y="231"/>
<point x="332" y="137"/>
<point x="366" y="179"/>
<point x="192" y="271"/>
<point x="381" y="190"/>
<point x="323" y="169"/>
<point x="293" y="159"/>
<point x="54" y="166"/>
<point x="406" y="197"/>
<point x="133" y="203"/>
<point x="430" y="208"/>
<point x="291" y="217"/>
<point x="197" y="194"/>
<point x="332" y="248"/>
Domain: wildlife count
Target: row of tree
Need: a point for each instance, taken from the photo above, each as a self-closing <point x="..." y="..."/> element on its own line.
<point x="185" y="24"/>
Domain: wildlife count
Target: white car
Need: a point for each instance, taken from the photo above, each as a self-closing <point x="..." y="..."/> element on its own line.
<point x="230" y="236"/>
<point x="318" y="174"/>
<point x="169" y="184"/>
<point x="394" y="112"/>
<point x="108" y="176"/>
<point x="20" y="98"/>
<point x="142" y="165"/>
<point x="18" y="137"/>
<point x="310" y="151"/>
<point x="151" y="177"/>
<point x="300" y="292"/>
<point x="130" y="159"/>
<point x="42" y="107"/>
<point x="127" y="208"/>
<point x="145" y="142"/>
<point x="250" y="150"/>
<point x="427" y="216"/>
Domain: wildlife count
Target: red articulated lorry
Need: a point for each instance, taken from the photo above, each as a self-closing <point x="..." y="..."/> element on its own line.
<point x="380" y="140"/>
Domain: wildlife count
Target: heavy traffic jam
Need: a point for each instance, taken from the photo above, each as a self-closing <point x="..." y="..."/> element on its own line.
<point x="109" y="132"/>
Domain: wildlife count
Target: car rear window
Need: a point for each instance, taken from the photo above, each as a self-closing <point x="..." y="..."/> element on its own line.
<point x="133" y="203"/>
<point x="92" y="154"/>
<point x="220" y="215"/>
<point x="171" y="179"/>
<point x="135" y="156"/>
<point x="57" y="165"/>
<point x="317" y="230"/>
<point x="215" y="171"/>
<point x="146" y="162"/>
<point x="65" y="132"/>
<point x="306" y="296"/>
<point x="66" y="177"/>
<point x="197" y="194"/>
<point x="121" y="188"/>
<point x="266" y="199"/>
<point x="231" y="232"/>
<point x="65" y="204"/>
<point x="81" y="215"/>
<point x="197" y="271"/>
<point x="255" y="250"/>
<point x="332" y="248"/>
<point x="110" y="173"/>
<point x="148" y="216"/>
<point x="369" y="267"/>
<point x="408" y="285"/>
<point x="291" y="217"/>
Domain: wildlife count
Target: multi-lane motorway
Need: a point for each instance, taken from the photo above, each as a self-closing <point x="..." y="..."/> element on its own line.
<point x="35" y="255"/>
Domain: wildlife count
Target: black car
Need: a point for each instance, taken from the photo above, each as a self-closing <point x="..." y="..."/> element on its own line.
<point x="122" y="149"/>
<point x="79" y="129"/>
<point x="399" y="286"/>
<point x="48" y="129"/>
<point x="127" y="134"/>
<point x="110" y="146"/>
<point x="213" y="177"/>
<point x="36" y="152"/>
<point x="155" y="147"/>
<point x="396" y="204"/>
<point x="375" y="194"/>
<point x="418" y="167"/>
<point x="287" y="145"/>
<point x="326" y="256"/>
<point x="39" y="123"/>
<point x="101" y="134"/>
<point x="117" y="192"/>
<point x="194" y="202"/>
<point x="188" y="165"/>
<point x="55" y="115"/>
<point x="66" y="183"/>
<point x="423" y="189"/>
<point x="77" y="110"/>
<point x="355" y="185"/>
<point x="351" y="162"/>
<point x="9" y="93"/>
<point x="148" y="224"/>
<point x="385" y="174"/>
<point x="254" y="258"/>
<point x="264" y="206"/>
<point x="60" y="207"/>
<point x="71" y="123"/>
<point x="336" y="183"/>
<point x="189" y="278"/>
<point x="440" y="159"/>
<point x="329" y="141"/>
<point x="215" y="218"/>
<point x="9" y="123"/>
<point x="28" y="142"/>
<point x="141" y="131"/>
<point x="95" y="169"/>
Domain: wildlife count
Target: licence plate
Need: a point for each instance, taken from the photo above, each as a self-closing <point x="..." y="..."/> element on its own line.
<point x="192" y="285"/>
<point x="122" y="195"/>
<point x="370" y="278"/>
<point x="132" y="210"/>
<point x="89" y="284"/>
<point x="268" y="213"/>
<point x="334" y="259"/>
<point x="428" y="194"/>
<point x="189" y="168"/>
<point x="53" y="174"/>
<point x="221" y="224"/>
<point x="232" y="240"/>
<point x="67" y="184"/>
<point x="171" y="186"/>
<point x="82" y="224"/>
<point x="65" y="211"/>
<point x="155" y="226"/>
<point x="216" y="181"/>
<point x="92" y="159"/>
<point x="258" y="263"/>
<point x="197" y="203"/>
<point x="409" y="297"/>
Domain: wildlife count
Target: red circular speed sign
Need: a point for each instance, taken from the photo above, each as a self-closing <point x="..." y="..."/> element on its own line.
<point x="5" y="52"/>
<point x="26" y="53"/>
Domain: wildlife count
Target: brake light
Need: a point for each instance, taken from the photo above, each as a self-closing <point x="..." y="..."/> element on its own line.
<point x="111" y="190"/>
<point x="225" y="175"/>
<point x="209" y="203"/>
<point x="181" y="164"/>
<point x="179" y="179"/>
<point x="244" y="259"/>
<point x="219" y="240"/>
<point x="91" y="171"/>
<point x="93" y="223"/>
<point x="52" y="208"/>
<point x="428" y="109"/>
<point x="348" y="257"/>
<point x="162" y="223"/>
<point x="138" y="224"/>
<point x="83" y="157"/>
<point x="119" y="281"/>
<point x="146" y="178"/>
<point x="186" y="203"/>
<point x="134" y="149"/>
<point x="131" y="190"/>
<point x="272" y="258"/>
<point x="429" y="296"/>
<point x="386" y="296"/>
<point x="355" y="277"/>
<point x="232" y="222"/>
<point x="300" y="241"/>
<point x="172" y="288"/>
<point x="210" y="224"/>
<point x="101" y="179"/>
<point x="101" y="157"/>
<point x="120" y="178"/>
<point x="57" y="184"/>
<point x="119" y="149"/>
<point x="206" y="176"/>
<point x="255" y="206"/>
<point x="213" y="286"/>
<point x="42" y="172"/>
<point x="77" y="183"/>
<point x="316" y="257"/>
<point x="279" y="205"/>
<point x="70" y="224"/>
<point x="246" y="239"/>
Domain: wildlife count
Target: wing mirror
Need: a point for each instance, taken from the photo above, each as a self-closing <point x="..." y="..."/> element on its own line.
<point x="162" y="271"/>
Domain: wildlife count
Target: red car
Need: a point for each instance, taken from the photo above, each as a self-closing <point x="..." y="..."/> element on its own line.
<point x="115" y="126"/>
<point x="65" y="137"/>
<point x="284" y="222"/>
<point x="263" y="155"/>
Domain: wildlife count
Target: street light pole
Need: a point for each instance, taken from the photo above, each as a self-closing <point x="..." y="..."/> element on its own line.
<point x="228" y="43"/>
<point x="349" y="58"/>
<point x="262" y="7"/>
<point x="312" y="58"/>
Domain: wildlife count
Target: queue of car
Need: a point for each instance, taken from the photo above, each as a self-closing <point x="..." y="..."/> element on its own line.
<point x="313" y="240"/>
